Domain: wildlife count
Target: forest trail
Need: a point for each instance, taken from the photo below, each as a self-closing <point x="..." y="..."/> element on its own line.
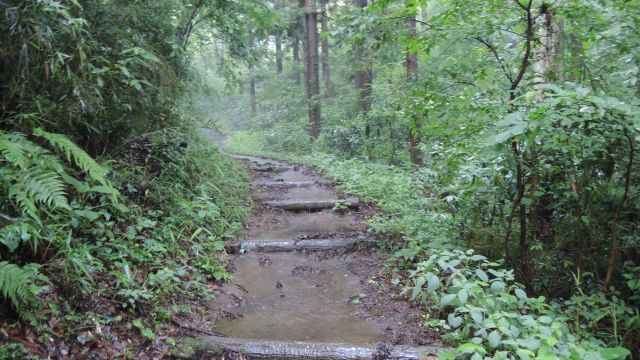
<point x="305" y="282"/>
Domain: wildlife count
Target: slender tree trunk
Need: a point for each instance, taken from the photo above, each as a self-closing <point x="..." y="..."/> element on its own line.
<point x="302" y="27"/>
<point x="326" y="71"/>
<point x="364" y="74"/>
<point x="312" y="78"/>
<point x="295" y="48"/>
<point x="278" y="41"/>
<point x="252" y="93"/>
<point x="252" y="81"/>
<point x="411" y="65"/>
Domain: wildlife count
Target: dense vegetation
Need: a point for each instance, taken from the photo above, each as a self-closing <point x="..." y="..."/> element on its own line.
<point x="499" y="138"/>
<point x="114" y="205"/>
<point x="507" y="127"/>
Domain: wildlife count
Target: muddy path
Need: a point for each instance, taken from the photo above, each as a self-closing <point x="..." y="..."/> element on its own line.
<point x="307" y="282"/>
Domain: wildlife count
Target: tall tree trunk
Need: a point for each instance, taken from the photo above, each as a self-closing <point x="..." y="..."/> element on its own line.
<point x="326" y="71"/>
<point x="278" y="41"/>
<point x="364" y="74"/>
<point x="546" y="65"/>
<point x="411" y="65"/>
<point x="295" y="48"/>
<point x="311" y="59"/>
<point x="252" y="81"/>
<point x="302" y="28"/>
<point x="252" y="93"/>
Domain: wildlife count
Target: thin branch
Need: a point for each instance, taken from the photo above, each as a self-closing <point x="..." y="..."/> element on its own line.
<point x="527" y="53"/>
<point x="505" y="67"/>
<point x="521" y="5"/>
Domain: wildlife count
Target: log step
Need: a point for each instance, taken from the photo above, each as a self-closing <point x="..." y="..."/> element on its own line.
<point x="295" y="245"/>
<point x="286" y="184"/>
<point x="294" y="184"/>
<point x="300" y="205"/>
<point x="269" y="168"/>
<point x="257" y="349"/>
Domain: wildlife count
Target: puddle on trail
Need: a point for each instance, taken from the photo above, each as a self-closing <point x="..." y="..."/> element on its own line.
<point x="290" y="226"/>
<point x="298" y="298"/>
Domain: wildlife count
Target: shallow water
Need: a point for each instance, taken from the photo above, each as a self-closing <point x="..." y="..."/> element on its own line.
<point x="313" y="303"/>
<point x="289" y="226"/>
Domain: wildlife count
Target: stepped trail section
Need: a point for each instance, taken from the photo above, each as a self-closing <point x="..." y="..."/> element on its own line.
<point x="305" y="285"/>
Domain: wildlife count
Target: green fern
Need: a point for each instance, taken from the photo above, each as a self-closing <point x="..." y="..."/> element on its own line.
<point x="18" y="285"/>
<point x="75" y="155"/>
<point x="12" y="149"/>
<point x="33" y="186"/>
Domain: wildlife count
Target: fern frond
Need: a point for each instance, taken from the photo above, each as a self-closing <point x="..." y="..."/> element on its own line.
<point x="75" y="154"/>
<point x="37" y="186"/>
<point x="18" y="285"/>
<point x="25" y="203"/>
<point x="46" y="187"/>
<point x="12" y="151"/>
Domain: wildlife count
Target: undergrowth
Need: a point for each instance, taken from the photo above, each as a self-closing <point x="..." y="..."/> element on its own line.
<point x="111" y="244"/>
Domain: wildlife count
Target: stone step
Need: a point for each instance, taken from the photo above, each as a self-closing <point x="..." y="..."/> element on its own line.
<point x="310" y="205"/>
<point x="295" y="245"/>
<point x="256" y="349"/>
<point x="293" y="184"/>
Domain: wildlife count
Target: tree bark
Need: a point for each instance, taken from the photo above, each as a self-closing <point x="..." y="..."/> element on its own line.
<point x="278" y="41"/>
<point x="364" y="74"/>
<point x="252" y="81"/>
<point x="295" y="48"/>
<point x="326" y="70"/>
<point x="312" y="78"/>
<point x="411" y="65"/>
<point x="546" y="65"/>
<point x="252" y="93"/>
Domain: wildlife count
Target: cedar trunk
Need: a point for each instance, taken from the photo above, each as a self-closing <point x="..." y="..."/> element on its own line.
<point x="326" y="70"/>
<point x="311" y="59"/>
<point x="411" y="65"/>
<point x="278" y="41"/>
<point x="295" y="48"/>
<point x="252" y="81"/>
<point x="364" y="74"/>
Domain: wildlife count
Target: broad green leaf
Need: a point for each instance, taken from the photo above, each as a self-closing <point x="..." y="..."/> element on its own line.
<point x="494" y="339"/>
<point x="447" y="299"/>
<point x="614" y="353"/>
<point x="482" y="275"/>
<point x="520" y="294"/>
